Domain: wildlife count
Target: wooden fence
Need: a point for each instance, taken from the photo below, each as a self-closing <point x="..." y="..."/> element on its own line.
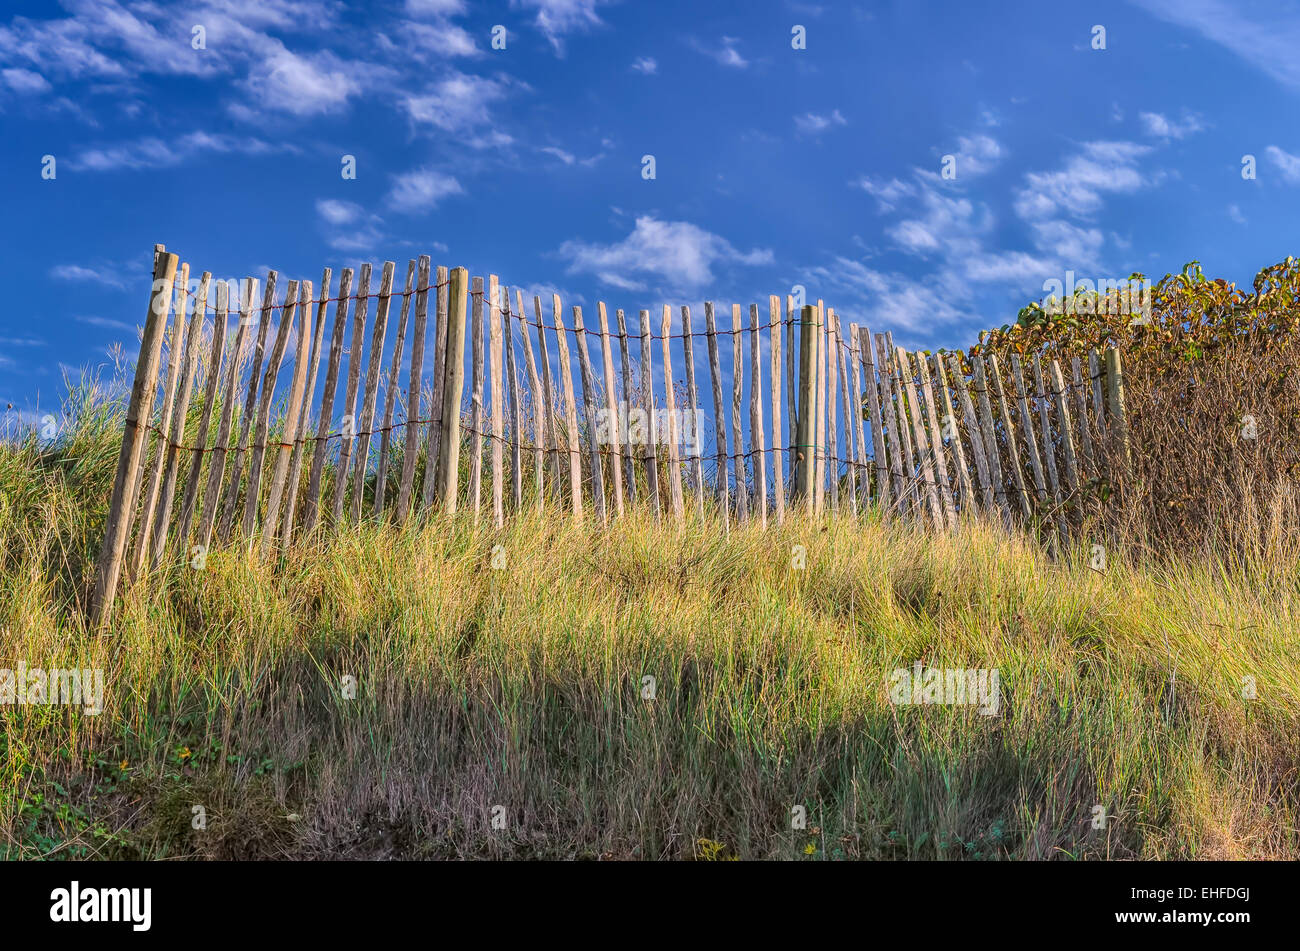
<point x="861" y="424"/>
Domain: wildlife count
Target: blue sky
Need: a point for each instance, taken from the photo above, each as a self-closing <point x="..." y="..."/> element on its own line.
<point x="774" y="166"/>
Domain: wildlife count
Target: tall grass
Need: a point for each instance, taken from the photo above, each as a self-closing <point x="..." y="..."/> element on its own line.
<point x="507" y="669"/>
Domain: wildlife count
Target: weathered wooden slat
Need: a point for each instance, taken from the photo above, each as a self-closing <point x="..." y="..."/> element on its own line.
<point x="229" y="396"/>
<point x="936" y="440"/>
<point x="570" y="409"/>
<point x="498" y="398"/>
<point x="1027" y="421"/>
<point x="304" y="419"/>
<point x="843" y="355"/>
<point x="719" y="417"/>
<point x="453" y="389"/>
<point x="477" y="416"/>
<point x="863" y="474"/>
<point x="390" y="395"/>
<point x="535" y="400"/>
<point x="414" y="391"/>
<point x="252" y="501"/>
<point x="1067" y="428"/>
<point x="791" y="391"/>
<point x="175" y="368"/>
<point x="548" y="393"/>
<point x="737" y="438"/>
<point x="968" y="502"/>
<point x="988" y="434"/>
<point x="611" y="427"/>
<point x="778" y="435"/>
<point x="293" y="411"/>
<point x="889" y="416"/>
<point x="121" y="507"/>
<point x="589" y="410"/>
<point x="692" y="393"/>
<point x="231" y="507"/>
<point x="1009" y="430"/>
<point x="1045" y="427"/>
<point x="433" y="440"/>
<point x="1089" y="464"/>
<point x="670" y="407"/>
<point x="975" y="433"/>
<point x="912" y="490"/>
<point x="311" y="514"/>
<point x="374" y="367"/>
<point x="832" y="410"/>
<point x="190" y="497"/>
<point x="516" y="409"/>
<point x="806" y="415"/>
<point x="756" y="439"/>
<point x="355" y="356"/>
<point x="625" y="355"/>
<point x="875" y="416"/>
<point x="819" y="422"/>
<point x="927" y="474"/>
<point x="1098" y="399"/>
<point x="647" y="379"/>
<point x="1116" y="412"/>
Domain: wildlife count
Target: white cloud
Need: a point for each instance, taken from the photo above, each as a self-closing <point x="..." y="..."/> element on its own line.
<point x="24" y="80"/>
<point x="436" y="8"/>
<point x="646" y="64"/>
<point x="566" y="157"/>
<point x="555" y="18"/>
<point x="887" y="194"/>
<point x="303" y="85"/>
<point x="421" y="189"/>
<point x="1077" y="188"/>
<point x="1155" y="124"/>
<point x="810" y="123"/>
<point x="977" y="154"/>
<point x="1288" y="164"/>
<point x="338" y="212"/>
<point x="457" y="103"/>
<point x="679" y="254"/>
<point x="1265" y="35"/>
<point x="1234" y="212"/>
<point x="153" y="152"/>
<point x="724" y="51"/>
<point x="107" y="276"/>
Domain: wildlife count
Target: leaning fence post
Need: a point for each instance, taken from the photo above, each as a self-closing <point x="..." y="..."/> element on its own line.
<point x="121" y="505"/>
<point x="453" y="388"/>
<point x="803" y="461"/>
<point x="1115" y="406"/>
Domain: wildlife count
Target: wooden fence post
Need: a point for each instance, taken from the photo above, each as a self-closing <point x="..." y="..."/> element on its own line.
<point x="692" y="394"/>
<point x="453" y="389"/>
<point x="477" y="415"/>
<point x="231" y="506"/>
<point x="312" y="513"/>
<point x="936" y="440"/>
<point x="589" y="412"/>
<point x="878" y="452"/>
<point x="190" y="496"/>
<point x="647" y="379"/>
<point x="722" y="483"/>
<point x="1008" y="427"/>
<point x="670" y="407"/>
<point x="1027" y="420"/>
<point x="611" y="408"/>
<point x="414" y="392"/>
<point x="758" y="450"/>
<point x="832" y="410"/>
<point x="373" y="368"/>
<point x="778" y="441"/>
<point x="570" y="408"/>
<point x="1115" y="408"/>
<point x="498" y="395"/>
<point x="293" y="410"/>
<point x="548" y="392"/>
<point x="229" y="396"/>
<point x="974" y="433"/>
<point x="434" y="441"/>
<point x="390" y="396"/>
<point x="304" y="418"/>
<point x="968" y="503"/>
<point x="535" y="392"/>
<point x="252" y="501"/>
<point x="805" y="465"/>
<point x="516" y="408"/>
<point x="175" y="364"/>
<point x="355" y="356"/>
<point x="121" y="505"/>
<point x="737" y="437"/>
<point x="920" y="438"/>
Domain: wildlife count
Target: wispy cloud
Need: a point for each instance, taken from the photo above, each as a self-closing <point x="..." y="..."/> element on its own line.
<point x="811" y="123"/>
<point x="723" y="51"/>
<point x="152" y="152"/>
<point x="1157" y="125"/>
<point x="421" y="189"/>
<point x="1287" y="164"/>
<point x="106" y="275"/>
<point x="556" y="18"/>
<point x="680" y="255"/>
<point x="646" y="64"/>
